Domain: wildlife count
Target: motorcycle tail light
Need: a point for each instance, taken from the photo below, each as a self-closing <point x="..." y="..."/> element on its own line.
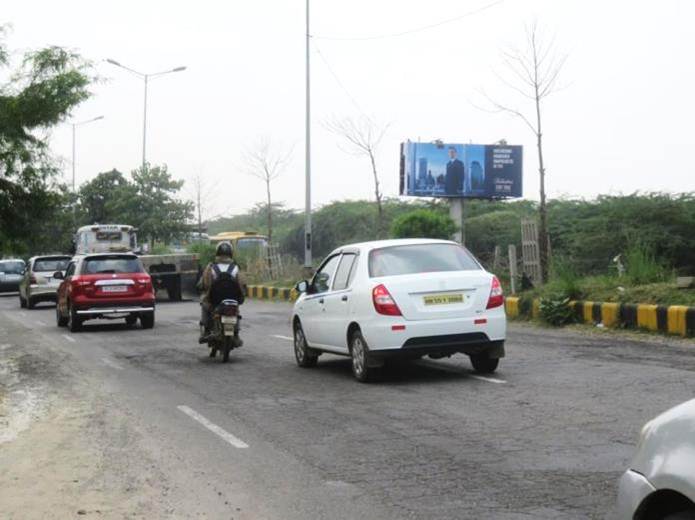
<point x="229" y="311"/>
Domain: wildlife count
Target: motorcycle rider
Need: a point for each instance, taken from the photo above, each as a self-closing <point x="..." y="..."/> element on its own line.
<point x="224" y="263"/>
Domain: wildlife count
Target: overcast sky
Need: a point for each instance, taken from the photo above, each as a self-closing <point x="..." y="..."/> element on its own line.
<point x="622" y="122"/>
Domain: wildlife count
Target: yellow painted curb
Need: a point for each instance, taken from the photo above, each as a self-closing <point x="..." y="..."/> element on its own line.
<point x="646" y="317"/>
<point x="610" y="314"/>
<point x="511" y="305"/>
<point x="587" y="312"/>
<point x="675" y="320"/>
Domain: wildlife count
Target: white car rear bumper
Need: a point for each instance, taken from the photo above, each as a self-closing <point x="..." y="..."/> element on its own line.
<point x="632" y="490"/>
<point x="395" y="333"/>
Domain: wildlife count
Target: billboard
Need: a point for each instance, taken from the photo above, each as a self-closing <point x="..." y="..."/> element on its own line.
<point x="483" y="171"/>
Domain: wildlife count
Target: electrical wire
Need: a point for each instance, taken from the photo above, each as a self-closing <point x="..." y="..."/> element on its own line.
<point x="339" y="82"/>
<point x="410" y="31"/>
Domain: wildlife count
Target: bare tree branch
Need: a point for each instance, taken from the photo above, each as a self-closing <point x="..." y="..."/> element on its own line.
<point x="363" y="137"/>
<point x="266" y="162"/>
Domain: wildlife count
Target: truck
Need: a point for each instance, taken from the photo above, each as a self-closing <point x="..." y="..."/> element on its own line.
<point x="175" y="273"/>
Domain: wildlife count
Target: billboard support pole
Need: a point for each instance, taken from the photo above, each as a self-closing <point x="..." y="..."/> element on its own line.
<point x="456" y="214"/>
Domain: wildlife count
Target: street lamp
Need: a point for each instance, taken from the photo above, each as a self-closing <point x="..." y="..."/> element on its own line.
<point x="145" y="78"/>
<point x="75" y="125"/>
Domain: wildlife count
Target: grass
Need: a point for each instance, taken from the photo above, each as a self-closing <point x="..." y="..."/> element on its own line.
<point x="621" y="290"/>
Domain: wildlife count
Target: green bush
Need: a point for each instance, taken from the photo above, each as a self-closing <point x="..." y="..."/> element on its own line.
<point x="642" y="266"/>
<point x="423" y="223"/>
<point x="205" y="252"/>
<point x="556" y="311"/>
<point x="565" y="280"/>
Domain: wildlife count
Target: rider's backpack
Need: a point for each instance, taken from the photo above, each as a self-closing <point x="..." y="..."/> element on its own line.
<point x="225" y="285"/>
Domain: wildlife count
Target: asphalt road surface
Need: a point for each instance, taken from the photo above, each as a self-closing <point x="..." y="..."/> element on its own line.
<point x="171" y="433"/>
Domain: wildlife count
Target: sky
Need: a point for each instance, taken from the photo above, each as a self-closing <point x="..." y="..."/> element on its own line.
<point x="621" y="121"/>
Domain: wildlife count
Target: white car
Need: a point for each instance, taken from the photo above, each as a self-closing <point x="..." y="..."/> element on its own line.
<point x="660" y="484"/>
<point x="400" y="298"/>
<point x="38" y="283"/>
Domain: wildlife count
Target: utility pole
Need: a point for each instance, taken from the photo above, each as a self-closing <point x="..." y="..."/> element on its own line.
<point x="74" y="126"/>
<point x="307" y="210"/>
<point x="144" y="129"/>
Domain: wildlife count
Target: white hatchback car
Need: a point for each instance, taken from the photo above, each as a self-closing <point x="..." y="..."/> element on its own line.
<point x="660" y="484"/>
<point x="400" y="298"/>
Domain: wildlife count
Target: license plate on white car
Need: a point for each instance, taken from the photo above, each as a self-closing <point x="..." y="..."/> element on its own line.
<point x="229" y="320"/>
<point x="444" y="299"/>
<point x="114" y="288"/>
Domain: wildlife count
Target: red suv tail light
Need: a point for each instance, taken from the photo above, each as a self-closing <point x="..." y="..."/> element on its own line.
<point x="81" y="286"/>
<point x="496" y="296"/>
<point x="384" y="302"/>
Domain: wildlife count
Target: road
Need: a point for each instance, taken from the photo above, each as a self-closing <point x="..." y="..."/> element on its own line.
<point x="129" y="423"/>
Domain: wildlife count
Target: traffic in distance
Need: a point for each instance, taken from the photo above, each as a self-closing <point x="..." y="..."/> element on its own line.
<point x="373" y="302"/>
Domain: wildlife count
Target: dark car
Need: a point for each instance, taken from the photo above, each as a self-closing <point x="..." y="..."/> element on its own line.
<point x="11" y="274"/>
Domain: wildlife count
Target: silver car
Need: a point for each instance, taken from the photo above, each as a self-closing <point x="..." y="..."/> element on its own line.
<point x="38" y="283"/>
<point x="660" y="483"/>
<point x="11" y="272"/>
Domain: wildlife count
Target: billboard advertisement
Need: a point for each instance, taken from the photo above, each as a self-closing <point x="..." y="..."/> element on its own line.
<point x="461" y="170"/>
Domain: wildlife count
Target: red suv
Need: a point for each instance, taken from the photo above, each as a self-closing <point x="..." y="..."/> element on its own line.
<point x="109" y="286"/>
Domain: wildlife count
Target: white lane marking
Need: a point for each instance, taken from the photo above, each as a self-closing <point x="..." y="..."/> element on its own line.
<point x="231" y="439"/>
<point x="490" y="379"/>
<point x="288" y="338"/>
<point x="453" y="370"/>
<point x="70" y="339"/>
<point x="111" y="364"/>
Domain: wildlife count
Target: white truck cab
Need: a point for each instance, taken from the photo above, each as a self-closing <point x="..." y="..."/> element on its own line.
<point x="105" y="238"/>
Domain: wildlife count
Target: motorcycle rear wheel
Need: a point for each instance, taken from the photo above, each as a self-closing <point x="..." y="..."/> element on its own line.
<point x="227" y="347"/>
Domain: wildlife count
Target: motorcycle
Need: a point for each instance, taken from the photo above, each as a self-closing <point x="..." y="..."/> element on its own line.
<point x="224" y="335"/>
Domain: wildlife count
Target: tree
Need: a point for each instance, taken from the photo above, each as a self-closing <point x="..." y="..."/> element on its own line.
<point x="267" y="163"/>
<point x="363" y="137"/>
<point x="100" y="200"/>
<point x="40" y="94"/>
<point x="533" y="73"/>
<point x="154" y="207"/>
<point x="423" y="223"/>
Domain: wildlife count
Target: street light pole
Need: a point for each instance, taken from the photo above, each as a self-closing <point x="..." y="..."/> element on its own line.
<point x="74" y="126"/>
<point x="307" y="209"/>
<point x="144" y="130"/>
<point x="145" y="78"/>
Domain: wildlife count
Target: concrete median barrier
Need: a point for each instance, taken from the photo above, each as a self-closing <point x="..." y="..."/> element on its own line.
<point x="668" y="319"/>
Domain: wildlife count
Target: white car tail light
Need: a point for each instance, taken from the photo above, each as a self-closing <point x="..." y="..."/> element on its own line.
<point x="496" y="295"/>
<point x="384" y="302"/>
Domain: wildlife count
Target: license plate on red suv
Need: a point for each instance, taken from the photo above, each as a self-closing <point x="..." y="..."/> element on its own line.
<point x="114" y="288"/>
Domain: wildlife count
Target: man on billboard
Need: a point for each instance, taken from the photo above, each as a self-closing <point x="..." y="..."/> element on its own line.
<point x="453" y="182"/>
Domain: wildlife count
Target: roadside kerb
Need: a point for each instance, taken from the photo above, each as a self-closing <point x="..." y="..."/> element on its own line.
<point x="669" y="319"/>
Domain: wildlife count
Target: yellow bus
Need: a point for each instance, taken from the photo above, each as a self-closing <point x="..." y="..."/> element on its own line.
<point x="242" y="241"/>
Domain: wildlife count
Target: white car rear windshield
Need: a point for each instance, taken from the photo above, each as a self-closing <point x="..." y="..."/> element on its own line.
<point x="51" y="264"/>
<point x="420" y="258"/>
<point x="112" y="264"/>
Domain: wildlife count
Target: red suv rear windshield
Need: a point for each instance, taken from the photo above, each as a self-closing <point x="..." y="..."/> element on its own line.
<point x="112" y="264"/>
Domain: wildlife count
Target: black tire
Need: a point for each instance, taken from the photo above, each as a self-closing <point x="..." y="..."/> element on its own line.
<point x="174" y="290"/>
<point x="22" y="302"/>
<point x="682" y="515"/>
<point x="74" y="322"/>
<point x="226" y="348"/>
<point x="147" y="320"/>
<point x="306" y="356"/>
<point x="483" y="364"/>
<point x="61" y="320"/>
<point x="359" y="353"/>
<point x="131" y="320"/>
